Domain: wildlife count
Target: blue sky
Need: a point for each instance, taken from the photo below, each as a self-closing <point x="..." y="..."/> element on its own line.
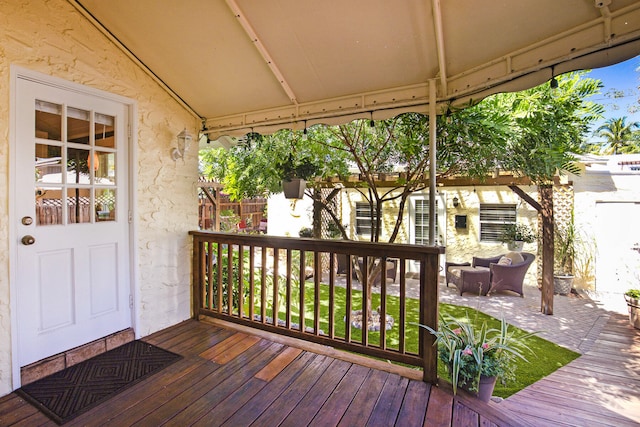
<point x="621" y="77"/>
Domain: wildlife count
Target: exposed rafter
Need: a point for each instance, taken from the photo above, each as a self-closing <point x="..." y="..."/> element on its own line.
<point x="262" y="49"/>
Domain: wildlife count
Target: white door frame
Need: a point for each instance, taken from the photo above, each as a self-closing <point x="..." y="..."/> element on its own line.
<point x="16" y="73"/>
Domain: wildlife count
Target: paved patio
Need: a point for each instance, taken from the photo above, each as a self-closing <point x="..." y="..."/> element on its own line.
<point x="576" y="321"/>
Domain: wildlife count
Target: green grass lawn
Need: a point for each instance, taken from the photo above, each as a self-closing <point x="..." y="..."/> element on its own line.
<point x="545" y="358"/>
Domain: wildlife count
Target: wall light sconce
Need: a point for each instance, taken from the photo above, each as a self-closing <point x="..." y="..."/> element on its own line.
<point x="456" y="202"/>
<point x="184" y="139"/>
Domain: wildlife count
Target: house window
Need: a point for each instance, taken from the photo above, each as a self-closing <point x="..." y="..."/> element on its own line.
<point x="421" y="221"/>
<point x="494" y="217"/>
<point x="364" y="219"/>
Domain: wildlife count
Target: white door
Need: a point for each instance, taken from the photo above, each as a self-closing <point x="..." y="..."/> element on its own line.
<point x="618" y="241"/>
<point x="71" y="213"/>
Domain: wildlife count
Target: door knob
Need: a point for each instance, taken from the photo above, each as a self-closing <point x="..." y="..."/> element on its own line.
<point x="28" y="240"/>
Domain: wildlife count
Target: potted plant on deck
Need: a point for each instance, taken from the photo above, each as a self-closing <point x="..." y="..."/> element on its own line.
<point x="632" y="296"/>
<point x="476" y="359"/>
<point x="564" y="254"/>
<point x="515" y="235"/>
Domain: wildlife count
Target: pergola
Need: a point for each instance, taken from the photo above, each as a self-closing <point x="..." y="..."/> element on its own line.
<point x="258" y="66"/>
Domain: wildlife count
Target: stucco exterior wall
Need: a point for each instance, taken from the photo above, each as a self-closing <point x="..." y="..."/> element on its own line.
<point x="594" y="186"/>
<point x="461" y="244"/>
<point x="52" y="38"/>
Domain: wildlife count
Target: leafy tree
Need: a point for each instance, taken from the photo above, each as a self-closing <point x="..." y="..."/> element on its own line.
<point x="550" y="126"/>
<point x="618" y="135"/>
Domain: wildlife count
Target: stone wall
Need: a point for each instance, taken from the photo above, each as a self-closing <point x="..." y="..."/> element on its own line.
<point x="52" y="38"/>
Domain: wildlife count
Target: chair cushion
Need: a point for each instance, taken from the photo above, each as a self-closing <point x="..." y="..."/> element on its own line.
<point x="504" y="261"/>
<point x="515" y="257"/>
<point x="455" y="272"/>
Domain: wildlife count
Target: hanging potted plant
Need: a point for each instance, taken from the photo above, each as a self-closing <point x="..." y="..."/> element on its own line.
<point x="515" y="235"/>
<point x="632" y="296"/>
<point x="564" y="248"/>
<point x="294" y="174"/>
<point x="476" y="359"/>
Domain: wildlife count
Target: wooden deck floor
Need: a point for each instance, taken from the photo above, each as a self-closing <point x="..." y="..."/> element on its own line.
<point x="600" y="388"/>
<point x="233" y="378"/>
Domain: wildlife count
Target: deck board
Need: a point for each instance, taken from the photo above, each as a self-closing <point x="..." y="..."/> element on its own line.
<point x="269" y="382"/>
<point x="601" y="387"/>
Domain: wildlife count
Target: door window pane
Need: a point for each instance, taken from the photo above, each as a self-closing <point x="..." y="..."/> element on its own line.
<point x="105" y="204"/>
<point x="78" y="166"/>
<point x="78" y="125"/>
<point x="105" y="171"/>
<point x="78" y="206"/>
<point x="48" y="121"/>
<point x="48" y="206"/>
<point x="48" y="163"/>
<point x="104" y="131"/>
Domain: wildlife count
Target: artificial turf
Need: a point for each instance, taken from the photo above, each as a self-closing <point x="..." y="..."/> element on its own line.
<point x="544" y="358"/>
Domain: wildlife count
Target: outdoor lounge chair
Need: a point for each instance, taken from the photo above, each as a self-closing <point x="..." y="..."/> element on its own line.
<point x="507" y="277"/>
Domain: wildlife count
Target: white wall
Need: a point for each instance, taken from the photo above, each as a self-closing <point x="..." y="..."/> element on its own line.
<point x="51" y="37"/>
<point x="607" y="182"/>
<point x="288" y="216"/>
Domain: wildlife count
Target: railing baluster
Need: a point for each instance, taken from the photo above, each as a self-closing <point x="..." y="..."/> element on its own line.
<point x="252" y="280"/>
<point x="365" y="298"/>
<point x="263" y="288"/>
<point x="276" y="276"/>
<point x="240" y="280"/>
<point x="383" y="303"/>
<point x="220" y="284"/>
<point x="332" y="295"/>
<point x="301" y="281"/>
<point x="230" y="249"/>
<point x="403" y="307"/>
<point x="317" y="275"/>
<point x="348" y="308"/>
<point x="288" y="296"/>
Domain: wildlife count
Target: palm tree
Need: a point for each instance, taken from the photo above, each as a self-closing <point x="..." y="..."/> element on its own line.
<point x="618" y="134"/>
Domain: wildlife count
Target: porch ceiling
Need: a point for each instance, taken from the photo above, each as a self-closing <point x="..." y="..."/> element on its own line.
<point x="263" y="65"/>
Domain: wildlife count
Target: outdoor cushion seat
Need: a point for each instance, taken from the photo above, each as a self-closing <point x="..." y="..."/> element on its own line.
<point x="507" y="277"/>
<point x="466" y="278"/>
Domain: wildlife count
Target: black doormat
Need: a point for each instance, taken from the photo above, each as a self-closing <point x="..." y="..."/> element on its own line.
<point x="66" y="394"/>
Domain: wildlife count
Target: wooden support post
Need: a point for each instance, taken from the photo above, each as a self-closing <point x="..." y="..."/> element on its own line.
<point x="546" y="196"/>
<point x="429" y="316"/>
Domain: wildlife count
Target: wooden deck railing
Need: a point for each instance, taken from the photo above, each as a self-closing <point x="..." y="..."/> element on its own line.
<point x="278" y="284"/>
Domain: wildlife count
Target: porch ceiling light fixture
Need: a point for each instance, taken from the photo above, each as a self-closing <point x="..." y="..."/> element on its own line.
<point x="184" y="139"/>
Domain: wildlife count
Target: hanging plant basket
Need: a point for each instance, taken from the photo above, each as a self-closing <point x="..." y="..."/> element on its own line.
<point x="294" y="188"/>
